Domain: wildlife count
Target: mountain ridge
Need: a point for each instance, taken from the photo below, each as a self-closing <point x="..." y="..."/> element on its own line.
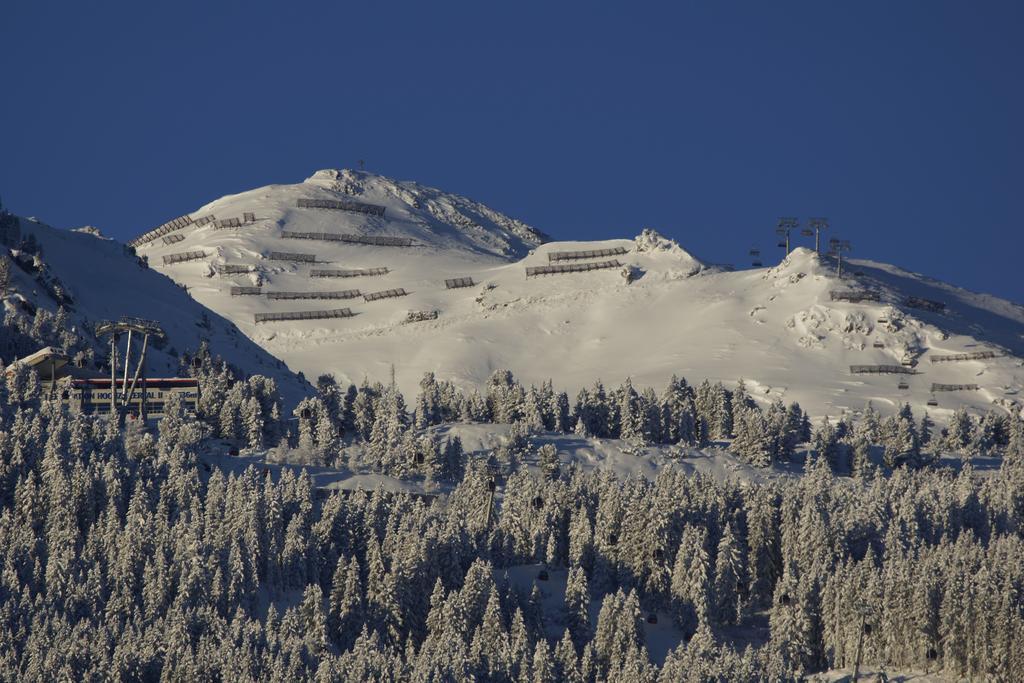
<point x="653" y="311"/>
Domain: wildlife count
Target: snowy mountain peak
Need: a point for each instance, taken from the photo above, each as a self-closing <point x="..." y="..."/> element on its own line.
<point x="652" y="240"/>
<point x="802" y="262"/>
<point x="350" y="182"/>
<point x="433" y="219"/>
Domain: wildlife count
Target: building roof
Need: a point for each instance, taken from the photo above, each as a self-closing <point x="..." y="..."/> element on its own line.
<point x="43" y="356"/>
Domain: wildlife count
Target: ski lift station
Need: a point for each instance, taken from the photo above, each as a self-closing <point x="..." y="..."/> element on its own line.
<point x="84" y="391"/>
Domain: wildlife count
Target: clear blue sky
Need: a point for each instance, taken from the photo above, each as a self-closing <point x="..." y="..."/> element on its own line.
<point x="901" y="121"/>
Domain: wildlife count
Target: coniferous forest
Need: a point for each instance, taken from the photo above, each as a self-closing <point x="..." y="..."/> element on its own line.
<point x="126" y="557"/>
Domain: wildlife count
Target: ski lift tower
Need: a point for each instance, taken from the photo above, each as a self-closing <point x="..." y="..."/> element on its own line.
<point x="146" y="328"/>
<point x="836" y="248"/>
<point x="783" y="228"/>
<point x="815" y="226"/>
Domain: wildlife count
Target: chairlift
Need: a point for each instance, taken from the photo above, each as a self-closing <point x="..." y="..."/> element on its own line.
<point x="306" y="413"/>
<point x="867" y="629"/>
<point x="658" y="554"/>
<point x="932" y="654"/>
<point x="542" y="575"/>
<point x="903" y="386"/>
<point x="782" y="245"/>
<point x="538" y="503"/>
<point x="785" y="599"/>
<point x="756" y="264"/>
<point x="932" y="402"/>
<point x="879" y="345"/>
<point x="807" y="232"/>
<point x="612" y="539"/>
<point x="233" y="451"/>
<point x="419" y="458"/>
<point x="883" y="321"/>
<point x="197" y="362"/>
<point x="755" y="252"/>
<point x="491" y="485"/>
<point x="652" y="618"/>
<point x="858" y="273"/>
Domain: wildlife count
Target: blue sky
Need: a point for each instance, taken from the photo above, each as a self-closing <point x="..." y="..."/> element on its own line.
<point x="900" y="121"/>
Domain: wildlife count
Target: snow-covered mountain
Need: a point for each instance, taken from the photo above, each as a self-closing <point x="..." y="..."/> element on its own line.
<point x="428" y="216"/>
<point x="661" y="311"/>
<point x="98" y="279"/>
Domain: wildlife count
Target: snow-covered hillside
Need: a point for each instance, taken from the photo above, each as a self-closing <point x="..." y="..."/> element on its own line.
<point x="778" y="328"/>
<point x="97" y="279"/>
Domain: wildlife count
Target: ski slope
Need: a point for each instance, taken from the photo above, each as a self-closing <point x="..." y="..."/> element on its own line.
<point x="777" y="328"/>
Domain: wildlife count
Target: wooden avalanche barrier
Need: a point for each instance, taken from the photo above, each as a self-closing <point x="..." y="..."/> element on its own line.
<point x="305" y="315"/>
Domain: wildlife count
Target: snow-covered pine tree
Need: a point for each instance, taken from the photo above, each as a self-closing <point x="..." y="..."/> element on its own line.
<point x="428" y="403"/>
<point x="1015" y="441"/>
<point x="454" y="460"/>
<point x="505" y="397"/>
<point x="544" y="668"/>
<point x="533" y="414"/>
<point x="721" y="424"/>
<point x="547" y="459"/>
<point x="691" y="580"/>
<point x="577" y="606"/>
<point x="601" y="413"/>
<point x="825" y="443"/>
<point x="729" y="582"/>
<point x="389" y="426"/>
<point x="558" y="408"/>
<point x="861" y="465"/>
<point x="252" y="419"/>
<point x="740" y="401"/>
<point x="631" y="415"/>
<point x="618" y="628"/>
<point x="581" y="553"/>
<point x="363" y="409"/>
<point x="764" y="540"/>
<point x="790" y="624"/>
<point x="901" y="445"/>
<point x="752" y="442"/>
<point x="652" y="426"/>
<point x="677" y="413"/>
<point x="567" y="660"/>
<point x="960" y="431"/>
